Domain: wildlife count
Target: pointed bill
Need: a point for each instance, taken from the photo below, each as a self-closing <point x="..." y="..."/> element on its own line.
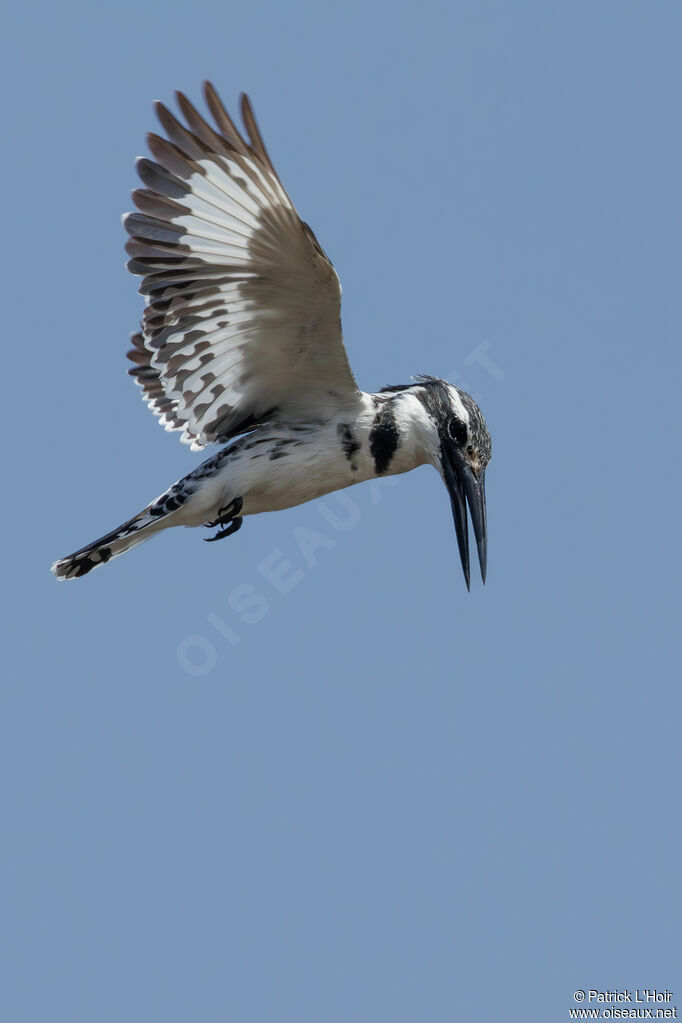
<point x="465" y="488"/>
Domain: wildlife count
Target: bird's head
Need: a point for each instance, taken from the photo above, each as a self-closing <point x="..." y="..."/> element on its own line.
<point x="462" y="452"/>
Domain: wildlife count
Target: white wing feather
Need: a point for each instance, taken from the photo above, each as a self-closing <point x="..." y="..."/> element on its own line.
<point x="243" y="307"/>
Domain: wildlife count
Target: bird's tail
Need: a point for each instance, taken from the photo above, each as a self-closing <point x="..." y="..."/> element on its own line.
<point x="136" y="530"/>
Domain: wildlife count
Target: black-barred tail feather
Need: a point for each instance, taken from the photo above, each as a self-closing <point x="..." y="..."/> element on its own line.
<point x="133" y="532"/>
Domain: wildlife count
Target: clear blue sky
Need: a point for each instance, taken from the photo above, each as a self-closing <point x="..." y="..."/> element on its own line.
<point x="373" y="797"/>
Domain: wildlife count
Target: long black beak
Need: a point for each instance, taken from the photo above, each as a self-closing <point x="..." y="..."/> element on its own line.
<point x="465" y="488"/>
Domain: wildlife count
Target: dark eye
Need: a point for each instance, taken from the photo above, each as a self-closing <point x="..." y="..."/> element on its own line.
<point x="470" y="451"/>
<point x="457" y="430"/>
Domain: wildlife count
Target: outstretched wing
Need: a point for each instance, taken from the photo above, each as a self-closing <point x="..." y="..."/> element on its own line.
<point x="243" y="307"/>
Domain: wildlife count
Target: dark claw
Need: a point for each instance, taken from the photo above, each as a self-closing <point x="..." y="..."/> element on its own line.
<point x="234" y="525"/>
<point x="229" y="512"/>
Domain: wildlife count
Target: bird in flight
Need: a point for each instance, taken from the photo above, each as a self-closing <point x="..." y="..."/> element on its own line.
<point x="241" y="345"/>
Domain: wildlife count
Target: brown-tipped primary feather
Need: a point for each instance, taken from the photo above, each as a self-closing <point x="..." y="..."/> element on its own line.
<point x="202" y="129"/>
<point x="159" y="180"/>
<point x="225" y="123"/>
<point x="178" y="134"/>
<point x="255" y="137"/>
<point x="156" y="205"/>
<point x="172" y="158"/>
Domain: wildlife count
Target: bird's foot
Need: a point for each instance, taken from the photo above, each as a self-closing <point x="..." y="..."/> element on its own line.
<point x="234" y="525"/>
<point x="229" y="512"/>
<point x="229" y="517"/>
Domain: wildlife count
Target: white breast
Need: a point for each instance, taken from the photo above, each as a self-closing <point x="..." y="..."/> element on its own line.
<point x="281" y="465"/>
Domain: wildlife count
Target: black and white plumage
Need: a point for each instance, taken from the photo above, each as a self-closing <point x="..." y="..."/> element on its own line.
<point x="241" y="345"/>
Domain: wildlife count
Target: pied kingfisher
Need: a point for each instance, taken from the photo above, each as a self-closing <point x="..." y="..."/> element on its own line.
<point x="241" y="342"/>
